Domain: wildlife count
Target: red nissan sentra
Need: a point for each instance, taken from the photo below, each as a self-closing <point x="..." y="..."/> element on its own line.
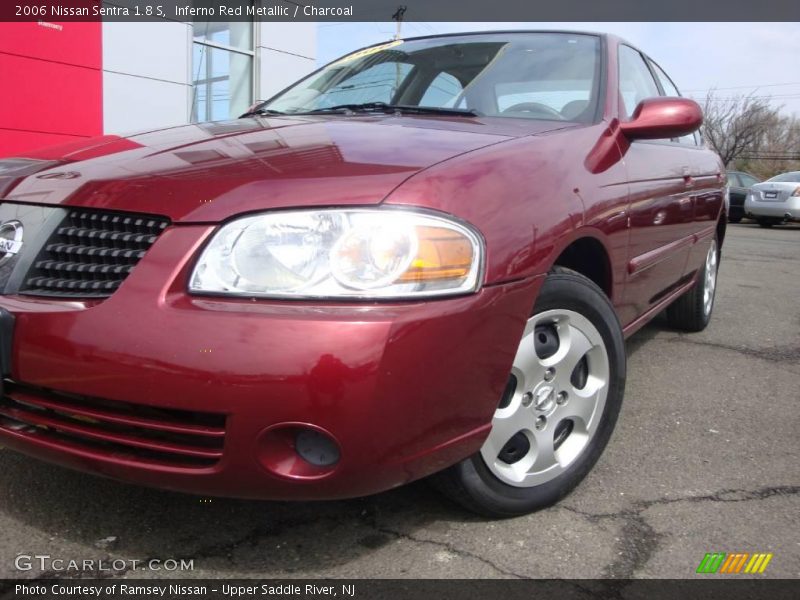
<point x="421" y="259"/>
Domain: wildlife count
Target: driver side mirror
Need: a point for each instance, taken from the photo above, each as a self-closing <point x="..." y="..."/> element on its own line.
<point x="663" y="118"/>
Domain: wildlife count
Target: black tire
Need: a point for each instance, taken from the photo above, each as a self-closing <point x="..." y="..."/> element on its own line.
<point x="688" y="312"/>
<point x="735" y="219"/>
<point x="471" y="483"/>
<point x="765" y="223"/>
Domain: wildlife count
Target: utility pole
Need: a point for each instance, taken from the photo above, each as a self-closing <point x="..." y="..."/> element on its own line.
<point x="397" y="17"/>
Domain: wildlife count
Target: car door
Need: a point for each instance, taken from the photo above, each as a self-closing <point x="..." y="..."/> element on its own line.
<point x="748" y="181"/>
<point x="737" y="193"/>
<point x="661" y="197"/>
<point x="706" y="181"/>
<point x="735" y="188"/>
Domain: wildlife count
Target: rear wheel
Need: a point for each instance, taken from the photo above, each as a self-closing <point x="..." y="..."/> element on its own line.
<point x="735" y="219"/>
<point x="692" y="311"/>
<point x="559" y="408"/>
<point x="766" y="223"/>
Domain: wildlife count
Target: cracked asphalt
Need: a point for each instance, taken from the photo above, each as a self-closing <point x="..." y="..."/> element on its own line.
<point x="706" y="457"/>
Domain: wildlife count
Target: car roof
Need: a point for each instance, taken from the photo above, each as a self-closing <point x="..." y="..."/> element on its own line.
<point x="503" y="31"/>
<point x="599" y="34"/>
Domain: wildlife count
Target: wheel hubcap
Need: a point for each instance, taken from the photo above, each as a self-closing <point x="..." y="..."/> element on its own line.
<point x="554" y="403"/>
<point x="710" y="283"/>
<point x="545" y="398"/>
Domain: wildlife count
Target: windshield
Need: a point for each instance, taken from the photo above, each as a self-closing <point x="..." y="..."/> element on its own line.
<point x="793" y="177"/>
<point x="551" y="76"/>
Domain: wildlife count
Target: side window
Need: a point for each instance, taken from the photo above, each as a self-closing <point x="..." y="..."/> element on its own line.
<point x="635" y="80"/>
<point x="733" y="180"/>
<point x="443" y="91"/>
<point x="670" y="90"/>
<point x="665" y="81"/>
<point x="747" y="180"/>
<point x="376" y="84"/>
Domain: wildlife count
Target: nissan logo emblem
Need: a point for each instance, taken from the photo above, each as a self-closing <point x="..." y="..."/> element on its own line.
<point x="10" y="240"/>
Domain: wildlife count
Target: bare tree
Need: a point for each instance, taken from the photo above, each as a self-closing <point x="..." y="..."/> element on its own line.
<point x="780" y="150"/>
<point x="737" y="125"/>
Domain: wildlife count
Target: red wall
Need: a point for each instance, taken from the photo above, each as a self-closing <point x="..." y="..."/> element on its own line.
<point x="52" y="84"/>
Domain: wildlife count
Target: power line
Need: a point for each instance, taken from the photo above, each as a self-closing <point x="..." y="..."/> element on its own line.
<point x="777" y="158"/>
<point x="427" y="26"/>
<point x="760" y="97"/>
<point x="744" y="87"/>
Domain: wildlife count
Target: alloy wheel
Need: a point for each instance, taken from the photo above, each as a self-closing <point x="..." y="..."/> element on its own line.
<point x="554" y="400"/>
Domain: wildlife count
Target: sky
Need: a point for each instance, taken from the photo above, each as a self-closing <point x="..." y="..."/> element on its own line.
<point x="734" y="58"/>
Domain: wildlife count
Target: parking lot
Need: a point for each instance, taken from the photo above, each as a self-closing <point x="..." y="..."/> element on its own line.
<point x="706" y="458"/>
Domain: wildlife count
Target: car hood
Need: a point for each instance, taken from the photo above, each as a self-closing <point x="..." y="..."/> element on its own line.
<point x="209" y="172"/>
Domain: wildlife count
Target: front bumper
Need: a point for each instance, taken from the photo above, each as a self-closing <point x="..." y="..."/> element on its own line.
<point x="405" y="389"/>
<point x="788" y="210"/>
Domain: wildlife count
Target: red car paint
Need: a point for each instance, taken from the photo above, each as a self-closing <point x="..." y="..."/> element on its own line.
<point x="405" y="388"/>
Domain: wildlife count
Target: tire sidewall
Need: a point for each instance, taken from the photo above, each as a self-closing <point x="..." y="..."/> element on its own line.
<point x="566" y="291"/>
<point x="701" y="285"/>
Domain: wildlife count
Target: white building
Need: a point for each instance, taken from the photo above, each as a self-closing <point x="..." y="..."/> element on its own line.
<point x="74" y="80"/>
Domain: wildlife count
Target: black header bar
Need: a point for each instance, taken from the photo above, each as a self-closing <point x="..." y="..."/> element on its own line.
<point x="706" y="587"/>
<point x="416" y="10"/>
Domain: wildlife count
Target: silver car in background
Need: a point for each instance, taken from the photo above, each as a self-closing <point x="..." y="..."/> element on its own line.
<point x="775" y="200"/>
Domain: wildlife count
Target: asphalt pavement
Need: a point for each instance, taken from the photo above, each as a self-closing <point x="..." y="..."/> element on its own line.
<point x="705" y="458"/>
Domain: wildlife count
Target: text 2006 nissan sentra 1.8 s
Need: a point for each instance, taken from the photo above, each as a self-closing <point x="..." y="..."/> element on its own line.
<point x="421" y="259"/>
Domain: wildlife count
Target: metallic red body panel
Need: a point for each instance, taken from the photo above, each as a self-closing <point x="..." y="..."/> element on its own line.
<point x="412" y="391"/>
<point x="405" y="388"/>
<point x="662" y="118"/>
<point x="209" y="172"/>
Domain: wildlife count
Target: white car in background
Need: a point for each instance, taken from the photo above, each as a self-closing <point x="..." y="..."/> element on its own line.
<point x="775" y="200"/>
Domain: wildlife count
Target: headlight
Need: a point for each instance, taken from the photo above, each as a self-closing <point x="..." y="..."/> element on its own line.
<point x="341" y="253"/>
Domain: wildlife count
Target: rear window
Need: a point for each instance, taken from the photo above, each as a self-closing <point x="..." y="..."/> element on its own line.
<point x="733" y="179"/>
<point x="747" y="180"/>
<point x="793" y="177"/>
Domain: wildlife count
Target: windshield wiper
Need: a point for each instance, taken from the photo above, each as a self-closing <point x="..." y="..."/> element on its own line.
<point x="256" y="112"/>
<point x="391" y="108"/>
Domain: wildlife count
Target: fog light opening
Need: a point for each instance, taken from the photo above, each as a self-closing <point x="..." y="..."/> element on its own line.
<point x="316" y="448"/>
<point x="298" y="451"/>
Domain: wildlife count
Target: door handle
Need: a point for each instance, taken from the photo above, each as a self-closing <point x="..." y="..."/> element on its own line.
<point x="688" y="181"/>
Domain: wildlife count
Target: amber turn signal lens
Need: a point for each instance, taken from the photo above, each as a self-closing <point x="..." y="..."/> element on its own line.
<point x="442" y="254"/>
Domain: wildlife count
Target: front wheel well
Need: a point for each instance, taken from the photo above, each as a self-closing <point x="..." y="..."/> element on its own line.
<point x="588" y="257"/>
